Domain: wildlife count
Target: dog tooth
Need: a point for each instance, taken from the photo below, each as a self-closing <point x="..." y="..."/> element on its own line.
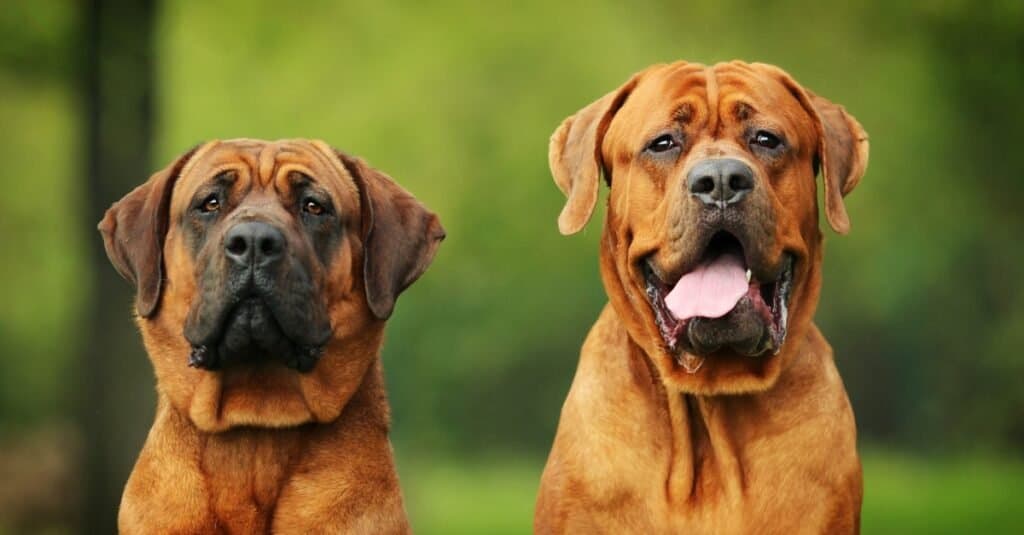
<point x="748" y="275"/>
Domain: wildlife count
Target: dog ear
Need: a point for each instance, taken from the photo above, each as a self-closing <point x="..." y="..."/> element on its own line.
<point x="842" y="149"/>
<point x="574" y="155"/>
<point x="133" y="232"/>
<point x="400" y="236"/>
<point x="843" y="156"/>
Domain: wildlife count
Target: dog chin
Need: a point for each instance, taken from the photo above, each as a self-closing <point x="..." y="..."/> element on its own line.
<point x="258" y="395"/>
<point x="742" y="330"/>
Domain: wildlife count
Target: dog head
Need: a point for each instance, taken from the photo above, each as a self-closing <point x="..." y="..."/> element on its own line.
<point x="711" y="248"/>
<point x="264" y="274"/>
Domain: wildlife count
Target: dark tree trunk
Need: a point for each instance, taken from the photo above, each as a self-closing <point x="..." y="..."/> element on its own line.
<point x="116" y="383"/>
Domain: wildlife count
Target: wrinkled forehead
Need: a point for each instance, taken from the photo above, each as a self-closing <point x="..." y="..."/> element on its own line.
<point x="708" y="97"/>
<point x="265" y="165"/>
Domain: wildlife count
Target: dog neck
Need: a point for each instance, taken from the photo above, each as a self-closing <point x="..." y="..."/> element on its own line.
<point x="240" y="477"/>
<point x="701" y="441"/>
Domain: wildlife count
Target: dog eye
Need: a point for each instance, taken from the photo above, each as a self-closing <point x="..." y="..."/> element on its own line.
<point x="312" y="207"/>
<point x="766" y="140"/>
<point x="211" y="204"/>
<point x="662" y="143"/>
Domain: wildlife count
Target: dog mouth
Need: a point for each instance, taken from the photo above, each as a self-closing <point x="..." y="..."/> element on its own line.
<point x="249" y="332"/>
<point x="722" y="302"/>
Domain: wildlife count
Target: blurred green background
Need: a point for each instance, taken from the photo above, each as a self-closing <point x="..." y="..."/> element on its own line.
<point x="923" y="302"/>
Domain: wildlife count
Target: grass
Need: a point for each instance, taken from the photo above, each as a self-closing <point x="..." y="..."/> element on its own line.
<point x="455" y="497"/>
<point x="903" y="494"/>
<point x="914" y="495"/>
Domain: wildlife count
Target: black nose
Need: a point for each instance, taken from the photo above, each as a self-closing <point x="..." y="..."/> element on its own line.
<point x="253" y="243"/>
<point x="720" y="182"/>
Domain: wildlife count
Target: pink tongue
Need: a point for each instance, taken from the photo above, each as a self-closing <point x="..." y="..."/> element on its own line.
<point x="711" y="290"/>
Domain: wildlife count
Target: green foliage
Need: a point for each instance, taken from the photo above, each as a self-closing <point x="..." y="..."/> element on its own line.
<point x="42" y="245"/>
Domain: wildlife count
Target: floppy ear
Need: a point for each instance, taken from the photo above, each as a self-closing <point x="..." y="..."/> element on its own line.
<point x="574" y="156"/>
<point x="842" y="148"/>
<point x="133" y="232"/>
<point x="400" y="236"/>
<point x="843" y="155"/>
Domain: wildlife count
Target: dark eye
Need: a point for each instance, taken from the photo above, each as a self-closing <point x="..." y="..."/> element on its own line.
<point x="312" y="207"/>
<point x="211" y="204"/>
<point x="662" y="143"/>
<point x="766" y="140"/>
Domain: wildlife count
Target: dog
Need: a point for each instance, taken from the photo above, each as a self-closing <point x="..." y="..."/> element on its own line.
<point x="264" y="273"/>
<point x="705" y="399"/>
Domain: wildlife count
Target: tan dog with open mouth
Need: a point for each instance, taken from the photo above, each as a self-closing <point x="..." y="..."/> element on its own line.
<point x="265" y="272"/>
<point x="706" y="400"/>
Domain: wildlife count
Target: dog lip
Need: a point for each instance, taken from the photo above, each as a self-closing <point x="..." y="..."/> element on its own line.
<point x="668" y="326"/>
<point x="206" y="353"/>
<point x="652" y="273"/>
<point x="226" y="313"/>
<point x="779" y="325"/>
<point x="774" y="311"/>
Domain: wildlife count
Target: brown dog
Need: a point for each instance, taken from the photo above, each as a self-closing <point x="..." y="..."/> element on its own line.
<point x="706" y="401"/>
<point x="265" y="272"/>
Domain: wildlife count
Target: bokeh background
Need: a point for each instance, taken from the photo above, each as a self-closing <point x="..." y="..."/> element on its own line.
<point x="923" y="301"/>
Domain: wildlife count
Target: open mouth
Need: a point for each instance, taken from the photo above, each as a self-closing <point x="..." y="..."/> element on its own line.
<point x="250" y="333"/>
<point x="721" y="302"/>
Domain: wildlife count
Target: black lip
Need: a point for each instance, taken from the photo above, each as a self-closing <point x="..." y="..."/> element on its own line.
<point x="229" y="343"/>
<point x="771" y="305"/>
<point x="671" y="329"/>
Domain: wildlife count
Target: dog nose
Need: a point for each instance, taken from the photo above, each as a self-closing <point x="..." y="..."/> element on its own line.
<point x="253" y="243"/>
<point x="720" y="182"/>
